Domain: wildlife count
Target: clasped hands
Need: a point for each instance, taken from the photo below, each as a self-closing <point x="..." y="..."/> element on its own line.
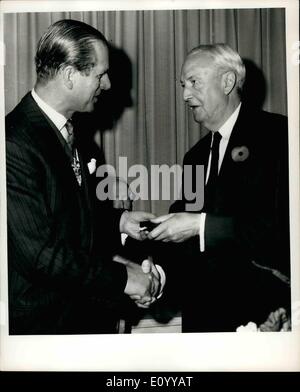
<point x="144" y="282"/>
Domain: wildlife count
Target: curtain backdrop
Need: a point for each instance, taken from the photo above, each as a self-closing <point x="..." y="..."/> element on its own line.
<point x="144" y="117"/>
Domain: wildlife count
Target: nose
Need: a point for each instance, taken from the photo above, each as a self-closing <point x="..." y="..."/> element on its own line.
<point x="186" y="93"/>
<point x="105" y="82"/>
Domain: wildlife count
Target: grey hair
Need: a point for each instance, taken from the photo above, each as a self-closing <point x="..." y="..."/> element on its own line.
<point x="224" y="58"/>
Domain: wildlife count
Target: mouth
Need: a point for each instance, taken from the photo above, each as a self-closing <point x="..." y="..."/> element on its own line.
<point x="192" y="104"/>
<point x="193" y="107"/>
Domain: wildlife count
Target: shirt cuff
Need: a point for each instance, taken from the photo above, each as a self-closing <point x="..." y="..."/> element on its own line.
<point x="162" y="279"/>
<point x="201" y="231"/>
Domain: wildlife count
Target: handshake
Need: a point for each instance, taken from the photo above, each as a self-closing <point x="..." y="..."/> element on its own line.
<point x="144" y="282"/>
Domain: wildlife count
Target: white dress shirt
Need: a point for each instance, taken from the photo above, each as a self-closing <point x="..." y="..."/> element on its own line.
<point x="225" y="132"/>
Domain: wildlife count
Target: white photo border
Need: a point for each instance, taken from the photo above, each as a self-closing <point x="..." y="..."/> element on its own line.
<point x="161" y="352"/>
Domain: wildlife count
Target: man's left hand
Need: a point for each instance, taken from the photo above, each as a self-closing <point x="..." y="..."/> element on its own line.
<point x="177" y="227"/>
<point x="130" y="223"/>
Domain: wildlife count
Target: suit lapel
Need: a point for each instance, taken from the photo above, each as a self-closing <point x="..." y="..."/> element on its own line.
<point x="238" y="138"/>
<point x="49" y="140"/>
<point x="52" y="146"/>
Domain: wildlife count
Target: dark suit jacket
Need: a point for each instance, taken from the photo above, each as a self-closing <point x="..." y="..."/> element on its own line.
<point x="61" y="276"/>
<point x="248" y="221"/>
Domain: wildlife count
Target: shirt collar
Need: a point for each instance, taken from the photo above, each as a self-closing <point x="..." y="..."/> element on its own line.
<point x="227" y="127"/>
<point x="58" y="119"/>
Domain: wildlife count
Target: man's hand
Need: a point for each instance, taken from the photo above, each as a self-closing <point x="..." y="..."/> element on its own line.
<point x="130" y="223"/>
<point x="142" y="287"/>
<point x="149" y="267"/>
<point x="177" y="227"/>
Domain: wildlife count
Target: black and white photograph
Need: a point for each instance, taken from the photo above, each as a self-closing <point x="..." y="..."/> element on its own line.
<point x="150" y="188"/>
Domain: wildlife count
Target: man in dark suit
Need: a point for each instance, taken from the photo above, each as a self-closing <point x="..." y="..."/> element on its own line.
<point x="62" y="278"/>
<point x="234" y="250"/>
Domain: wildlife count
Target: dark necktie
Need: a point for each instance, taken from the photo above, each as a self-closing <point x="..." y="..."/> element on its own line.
<point x="210" y="188"/>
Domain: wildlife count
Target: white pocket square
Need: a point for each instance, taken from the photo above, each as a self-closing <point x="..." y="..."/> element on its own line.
<point x="92" y="165"/>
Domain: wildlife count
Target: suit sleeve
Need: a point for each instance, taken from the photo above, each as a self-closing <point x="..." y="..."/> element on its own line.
<point x="41" y="253"/>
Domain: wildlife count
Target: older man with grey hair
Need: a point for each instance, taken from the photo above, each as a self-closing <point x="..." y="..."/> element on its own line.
<point x="230" y="249"/>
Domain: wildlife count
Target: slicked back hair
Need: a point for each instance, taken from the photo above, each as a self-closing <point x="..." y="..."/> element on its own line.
<point x="66" y="42"/>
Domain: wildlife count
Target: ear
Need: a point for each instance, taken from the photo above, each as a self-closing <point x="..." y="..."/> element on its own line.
<point x="68" y="76"/>
<point x="228" y="82"/>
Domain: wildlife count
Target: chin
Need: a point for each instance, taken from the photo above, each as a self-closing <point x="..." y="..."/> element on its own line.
<point x="198" y="115"/>
<point x="199" y="119"/>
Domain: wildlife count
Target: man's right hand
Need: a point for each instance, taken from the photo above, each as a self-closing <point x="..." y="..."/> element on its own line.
<point x="175" y="227"/>
<point x="141" y="287"/>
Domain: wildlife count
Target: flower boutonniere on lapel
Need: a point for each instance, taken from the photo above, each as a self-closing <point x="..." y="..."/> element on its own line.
<point x="240" y="154"/>
<point x="92" y="166"/>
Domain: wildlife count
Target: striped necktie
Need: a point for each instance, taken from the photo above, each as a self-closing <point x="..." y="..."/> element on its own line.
<point x="68" y="134"/>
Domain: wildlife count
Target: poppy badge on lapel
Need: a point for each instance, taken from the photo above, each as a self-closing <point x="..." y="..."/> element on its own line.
<point x="240" y="154"/>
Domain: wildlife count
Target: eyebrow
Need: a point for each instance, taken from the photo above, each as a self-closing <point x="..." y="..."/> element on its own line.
<point x="190" y="78"/>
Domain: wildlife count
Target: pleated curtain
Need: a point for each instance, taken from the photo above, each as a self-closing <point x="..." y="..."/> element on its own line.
<point x="151" y="124"/>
